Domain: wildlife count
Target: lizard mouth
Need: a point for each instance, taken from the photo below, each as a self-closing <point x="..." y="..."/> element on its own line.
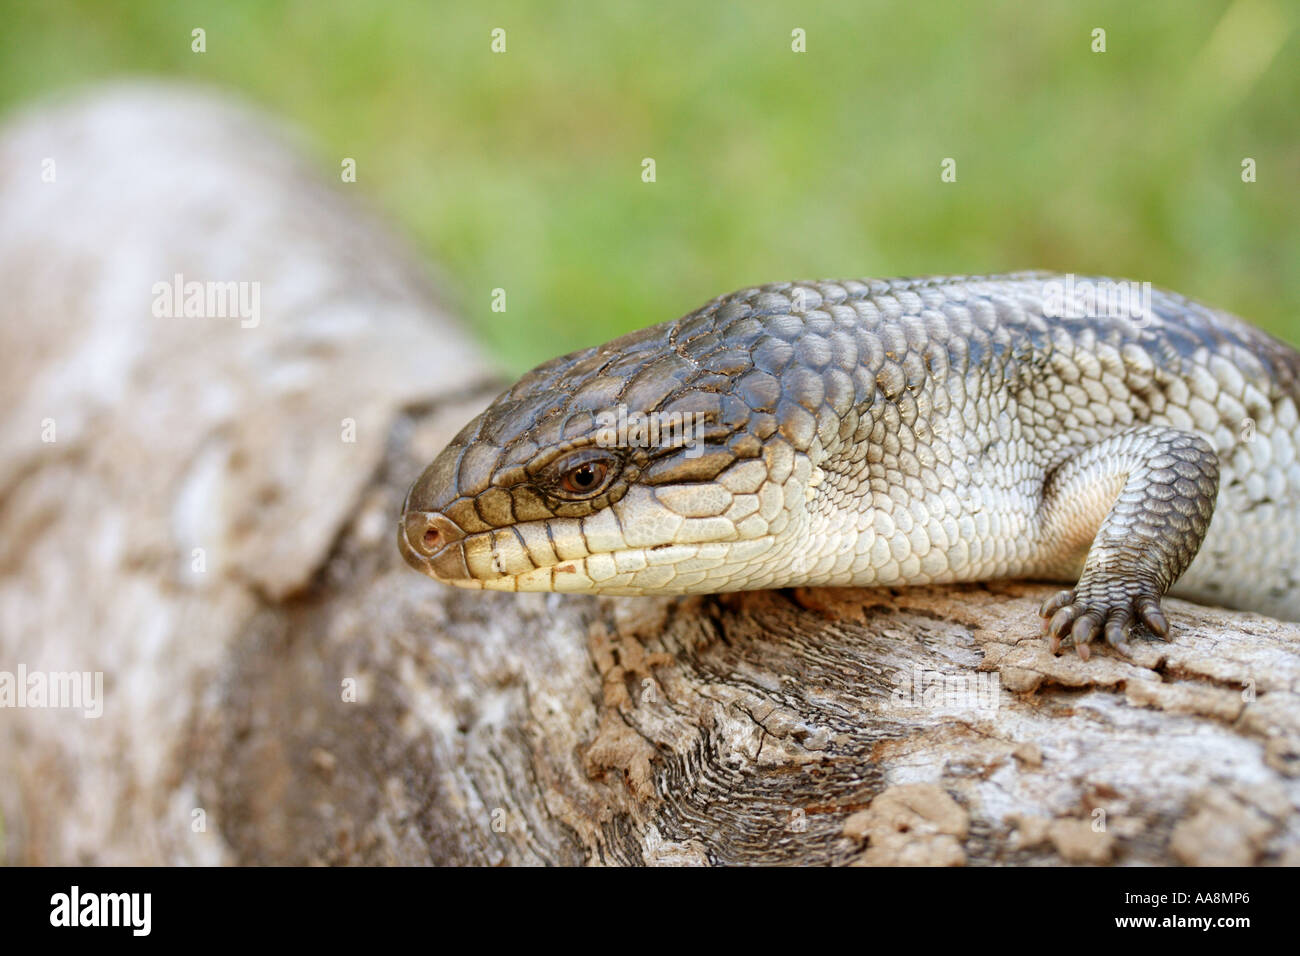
<point x="664" y="568"/>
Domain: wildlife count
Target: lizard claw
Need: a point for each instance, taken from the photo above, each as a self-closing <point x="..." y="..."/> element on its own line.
<point x="1148" y="609"/>
<point x="1080" y="616"/>
<point x="1054" y="603"/>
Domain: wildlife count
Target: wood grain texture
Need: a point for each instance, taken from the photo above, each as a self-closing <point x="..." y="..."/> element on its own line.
<point x="770" y="727"/>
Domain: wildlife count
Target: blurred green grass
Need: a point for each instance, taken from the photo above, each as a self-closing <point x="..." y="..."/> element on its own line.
<point x="522" y="170"/>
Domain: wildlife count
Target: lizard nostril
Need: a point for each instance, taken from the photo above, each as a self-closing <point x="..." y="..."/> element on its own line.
<point x="431" y="543"/>
<point x="426" y="534"/>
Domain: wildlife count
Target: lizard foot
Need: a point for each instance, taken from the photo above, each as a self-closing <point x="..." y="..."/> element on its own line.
<point x="1081" y="614"/>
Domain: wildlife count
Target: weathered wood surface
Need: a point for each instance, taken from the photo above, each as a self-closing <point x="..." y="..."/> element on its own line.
<point x="775" y="727"/>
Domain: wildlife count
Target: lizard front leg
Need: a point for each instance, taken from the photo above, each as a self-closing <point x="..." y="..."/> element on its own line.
<point x="1152" y="489"/>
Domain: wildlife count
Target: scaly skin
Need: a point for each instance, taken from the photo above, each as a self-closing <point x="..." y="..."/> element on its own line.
<point x="889" y="432"/>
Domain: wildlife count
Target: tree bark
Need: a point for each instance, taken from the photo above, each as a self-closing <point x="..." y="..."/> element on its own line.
<point x="208" y="530"/>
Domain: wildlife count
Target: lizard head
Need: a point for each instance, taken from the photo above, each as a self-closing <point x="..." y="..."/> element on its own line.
<point x="654" y="463"/>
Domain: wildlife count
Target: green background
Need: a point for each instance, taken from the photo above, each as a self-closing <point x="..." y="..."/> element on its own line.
<point x="522" y="170"/>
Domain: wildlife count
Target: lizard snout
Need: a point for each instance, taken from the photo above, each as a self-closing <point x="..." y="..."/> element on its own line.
<point x="431" y="543"/>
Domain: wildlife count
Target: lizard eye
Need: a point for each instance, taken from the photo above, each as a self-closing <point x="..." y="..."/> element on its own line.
<point x="584" y="476"/>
